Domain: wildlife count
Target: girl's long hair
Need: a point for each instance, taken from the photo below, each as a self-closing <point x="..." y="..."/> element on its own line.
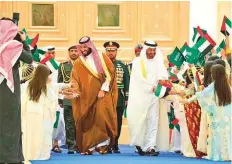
<point x="207" y="73"/>
<point x="37" y="84"/>
<point x="221" y="85"/>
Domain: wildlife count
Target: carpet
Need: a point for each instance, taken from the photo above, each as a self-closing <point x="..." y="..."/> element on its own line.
<point x="127" y="156"/>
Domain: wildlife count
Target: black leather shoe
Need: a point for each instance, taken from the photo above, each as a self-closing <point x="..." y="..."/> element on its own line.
<point x="116" y="151"/>
<point x="71" y="152"/>
<point x="140" y="151"/>
<point x="152" y="152"/>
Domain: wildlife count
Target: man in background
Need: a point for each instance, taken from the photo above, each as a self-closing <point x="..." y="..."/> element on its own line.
<point x="64" y="75"/>
<point x="12" y="51"/>
<point x="123" y="86"/>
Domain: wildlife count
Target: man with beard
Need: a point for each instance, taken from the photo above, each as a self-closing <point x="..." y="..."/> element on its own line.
<point x="123" y="86"/>
<point x="146" y="113"/>
<point x="94" y="93"/>
<point x="64" y="74"/>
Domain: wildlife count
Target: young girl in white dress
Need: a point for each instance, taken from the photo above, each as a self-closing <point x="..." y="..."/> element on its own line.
<point x="39" y="105"/>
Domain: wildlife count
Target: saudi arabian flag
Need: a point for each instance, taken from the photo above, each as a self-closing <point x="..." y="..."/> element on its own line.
<point x="176" y="58"/>
<point x="191" y="55"/>
<point x="51" y="63"/>
<point x="162" y="87"/>
<point x="197" y="34"/>
<point x="226" y="27"/>
<point x="201" y="61"/>
<point x="205" y="45"/>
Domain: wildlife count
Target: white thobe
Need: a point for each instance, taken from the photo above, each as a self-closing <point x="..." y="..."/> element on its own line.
<point x="143" y="109"/>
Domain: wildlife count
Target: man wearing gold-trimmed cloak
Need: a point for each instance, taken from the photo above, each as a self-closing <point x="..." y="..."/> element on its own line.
<point x="94" y="89"/>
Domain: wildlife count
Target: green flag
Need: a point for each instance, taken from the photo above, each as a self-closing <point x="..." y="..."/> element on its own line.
<point x="222" y="45"/>
<point x="191" y="55"/>
<point x="176" y="58"/>
<point x="28" y="39"/>
<point x="198" y="33"/>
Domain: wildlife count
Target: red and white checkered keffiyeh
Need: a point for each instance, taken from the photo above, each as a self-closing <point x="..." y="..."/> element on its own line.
<point x="10" y="51"/>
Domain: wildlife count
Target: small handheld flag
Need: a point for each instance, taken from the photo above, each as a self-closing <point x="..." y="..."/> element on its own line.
<point x="162" y="87"/>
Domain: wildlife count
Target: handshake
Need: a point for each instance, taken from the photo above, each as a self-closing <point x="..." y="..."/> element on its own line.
<point x="68" y="91"/>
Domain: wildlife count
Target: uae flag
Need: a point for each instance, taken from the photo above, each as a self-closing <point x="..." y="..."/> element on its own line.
<point x="162" y="87"/>
<point x="191" y="55"/>
<point x="226" y="27"/>
<point x="205" y="45"/>
<point x="172" y="75"/>
<point x="182" y="72"/>
<point x="197" y="34"/>
<point x="221" y="46"/>
<point x="37" y="53"/>
<point x="31" y="42"/>
<point x="197" y="79"/>
<point x="34" y="41"/>
<point x="176" y="58"/>
<point x="28" y="39"/>
<point x="51" y="63"/>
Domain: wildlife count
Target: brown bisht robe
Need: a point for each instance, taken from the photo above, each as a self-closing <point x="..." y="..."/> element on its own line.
<point x="95" y="119"/>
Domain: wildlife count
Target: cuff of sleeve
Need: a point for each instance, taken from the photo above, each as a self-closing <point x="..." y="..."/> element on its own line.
<point x="127" y="95"/>
<point x="105" y="86"/>
<point x="188" y="92"/>
<point x="193" y="98"/>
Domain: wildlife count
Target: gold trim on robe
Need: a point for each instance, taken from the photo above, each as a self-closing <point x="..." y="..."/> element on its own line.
<point x="88" y="67"/>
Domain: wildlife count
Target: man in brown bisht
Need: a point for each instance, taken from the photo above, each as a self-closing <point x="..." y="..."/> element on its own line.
<point x="94" y="89"/>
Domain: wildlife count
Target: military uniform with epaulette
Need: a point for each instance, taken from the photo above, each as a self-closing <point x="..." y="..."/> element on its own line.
<point x="123" y="79"/>
<point x="123" y="91"/>
<point x="64" y="74"/>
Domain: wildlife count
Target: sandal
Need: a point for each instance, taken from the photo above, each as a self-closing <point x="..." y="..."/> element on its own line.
<point x="87" y="153"/>
<point x="56" y="149"/>
<point x="102" y="150"/>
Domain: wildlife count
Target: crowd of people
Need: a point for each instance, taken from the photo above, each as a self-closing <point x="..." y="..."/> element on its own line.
<point x="83" y="102"/>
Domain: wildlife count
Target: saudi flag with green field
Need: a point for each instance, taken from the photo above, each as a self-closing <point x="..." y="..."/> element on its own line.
<point x="191" y="55"/>
<point x="176" y="58"/>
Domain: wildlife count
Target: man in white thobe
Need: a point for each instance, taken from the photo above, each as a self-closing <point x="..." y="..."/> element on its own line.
<point x="144" y="115"/>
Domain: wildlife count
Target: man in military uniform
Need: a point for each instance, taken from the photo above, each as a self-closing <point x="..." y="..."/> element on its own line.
<point x="64" y="77"/>
<point x="123" y="86"/>
<point x="138" y="49"/>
